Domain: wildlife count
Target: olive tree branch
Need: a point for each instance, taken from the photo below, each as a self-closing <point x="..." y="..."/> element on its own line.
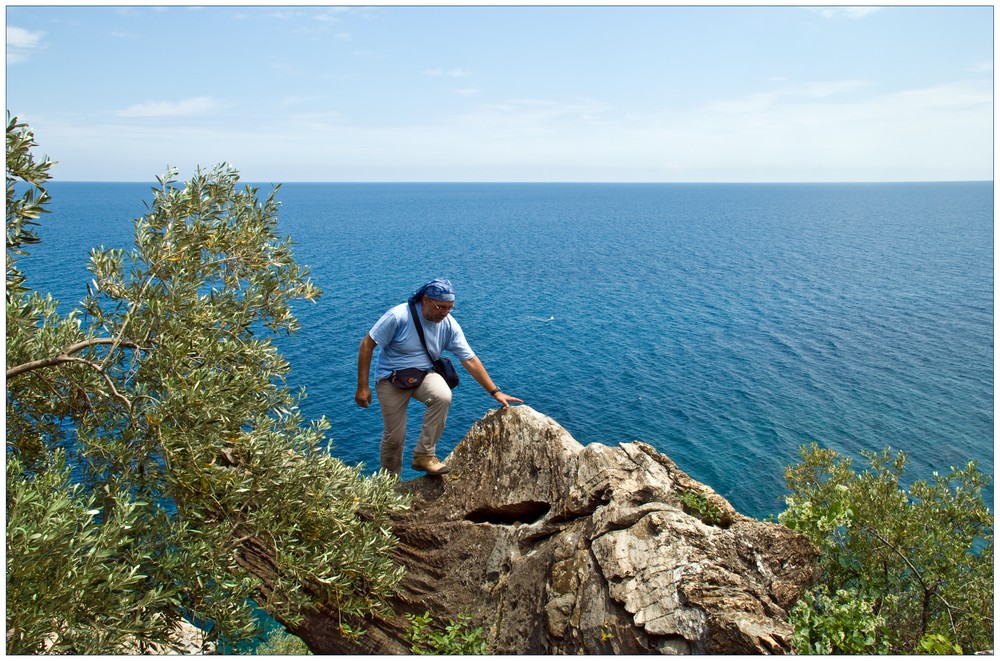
<point x="929" y="591"/>
<point x="94" y="366"/>
<point x="133" y="306"/>
<point x="66" y="356"/>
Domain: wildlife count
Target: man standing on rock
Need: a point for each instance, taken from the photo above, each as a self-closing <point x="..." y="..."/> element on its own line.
<point x="404" y="370"/>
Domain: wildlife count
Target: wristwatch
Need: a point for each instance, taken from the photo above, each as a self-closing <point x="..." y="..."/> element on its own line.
<point x="494" y="392"/>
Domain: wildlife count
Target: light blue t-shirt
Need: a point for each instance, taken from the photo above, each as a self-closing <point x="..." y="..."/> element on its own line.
<point x="400" y="347"/>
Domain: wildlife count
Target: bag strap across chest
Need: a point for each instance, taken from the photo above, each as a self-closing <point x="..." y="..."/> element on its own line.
<point x="420" y="329"/>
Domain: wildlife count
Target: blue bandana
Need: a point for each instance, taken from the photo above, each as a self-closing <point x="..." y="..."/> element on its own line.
<point x="439" y="289"/>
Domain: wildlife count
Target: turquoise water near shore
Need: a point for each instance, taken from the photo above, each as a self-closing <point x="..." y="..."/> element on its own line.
<point x="724" y="324"/>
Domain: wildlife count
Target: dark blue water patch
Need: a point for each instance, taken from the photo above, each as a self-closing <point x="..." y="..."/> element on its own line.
<point x="724" y="324"/>
<point x="82" y="216"/>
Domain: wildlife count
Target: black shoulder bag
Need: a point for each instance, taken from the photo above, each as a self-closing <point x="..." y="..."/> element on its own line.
<point x="441" y="365"/>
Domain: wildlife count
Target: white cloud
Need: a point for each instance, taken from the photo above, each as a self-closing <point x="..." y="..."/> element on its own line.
<point x="21" y="43"/>
<point x="845" y="12"/>
<point x="788" y="133"/>
<point x="199" y="105"/>
<point x="315" y="20"/>
<point x="920" y="134"/>
<point x="21" y="38"/>
<point x="762" y="101"/>
<point x="332" y="15"/>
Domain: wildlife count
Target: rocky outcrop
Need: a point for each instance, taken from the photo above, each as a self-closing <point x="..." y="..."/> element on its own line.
<point x="557" y="548"/>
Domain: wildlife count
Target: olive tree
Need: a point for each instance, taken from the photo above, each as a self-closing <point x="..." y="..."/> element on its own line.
<point x="151" y="435"/>
<point x="905" y="569"/>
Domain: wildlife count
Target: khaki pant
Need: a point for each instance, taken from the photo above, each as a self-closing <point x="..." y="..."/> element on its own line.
<point x="393" y="402"/>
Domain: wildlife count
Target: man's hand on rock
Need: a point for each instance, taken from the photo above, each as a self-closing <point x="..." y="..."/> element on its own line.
<point x="506" y="400"/>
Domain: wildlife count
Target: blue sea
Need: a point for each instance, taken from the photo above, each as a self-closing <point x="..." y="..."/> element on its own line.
<point x="724" y="324"/>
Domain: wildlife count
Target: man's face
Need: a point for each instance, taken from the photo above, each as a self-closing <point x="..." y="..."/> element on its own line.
<point x="435" y="311"/>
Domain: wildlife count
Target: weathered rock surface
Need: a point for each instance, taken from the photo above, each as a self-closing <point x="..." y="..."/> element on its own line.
<point x="557" y="548"/>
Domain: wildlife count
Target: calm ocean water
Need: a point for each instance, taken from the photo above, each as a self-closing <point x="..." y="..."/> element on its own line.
<point x="726" y="325"/>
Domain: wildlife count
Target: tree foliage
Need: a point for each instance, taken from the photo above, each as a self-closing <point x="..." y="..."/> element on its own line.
<point x="281" y="643"/>
<point x="151" y="434"/>
<point x="841" y="623"/>
<point x="458" y="637"/>
<point x="904" y="569"/>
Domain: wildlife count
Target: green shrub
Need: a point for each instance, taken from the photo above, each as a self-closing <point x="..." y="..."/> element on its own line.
<point x="281" y="643"/>
<point x="842" y="623"/>
<point x="457" y="637"/>
<point x="700" y="506"/>
<point x="919" y="559"/>
<point x="935" y="643"/>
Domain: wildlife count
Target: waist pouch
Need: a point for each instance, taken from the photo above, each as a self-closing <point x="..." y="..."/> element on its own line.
<point x="444" y="367"/>
<point x="408" y="378"/>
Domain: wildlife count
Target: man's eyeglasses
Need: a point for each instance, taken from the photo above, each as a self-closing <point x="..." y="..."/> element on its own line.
<point x="441" y="308"/>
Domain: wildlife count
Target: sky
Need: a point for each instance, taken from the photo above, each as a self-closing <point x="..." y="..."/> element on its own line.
<point x="507" y="93"/>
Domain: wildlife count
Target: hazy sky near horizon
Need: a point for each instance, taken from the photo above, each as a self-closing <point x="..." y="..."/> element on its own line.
<point x="508" y="93"/>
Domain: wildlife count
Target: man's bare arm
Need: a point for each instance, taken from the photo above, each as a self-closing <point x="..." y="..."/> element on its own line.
<point x="363" y="395"/>
<point x="475" y="367"/>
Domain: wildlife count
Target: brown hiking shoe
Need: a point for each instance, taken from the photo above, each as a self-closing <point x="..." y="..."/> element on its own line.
<point x="430" y="465"/>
